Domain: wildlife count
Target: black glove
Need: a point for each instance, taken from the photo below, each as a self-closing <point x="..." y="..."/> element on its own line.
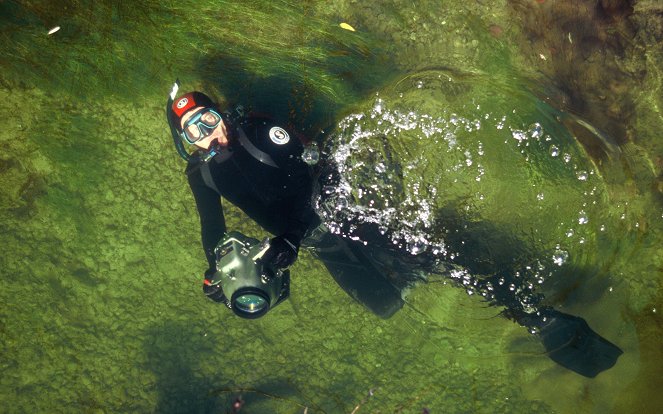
<point x="282" y="252"/>
<point x="213" y="292"/>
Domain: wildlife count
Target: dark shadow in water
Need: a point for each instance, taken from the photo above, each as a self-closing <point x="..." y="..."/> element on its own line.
<point x="266" y="396"/>
<point x="293" y="98"/>
<point x="482" y="247"/>
<point x="174" y="353"/>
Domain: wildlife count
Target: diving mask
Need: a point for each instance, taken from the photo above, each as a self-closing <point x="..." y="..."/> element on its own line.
<point x="201" y="125"/>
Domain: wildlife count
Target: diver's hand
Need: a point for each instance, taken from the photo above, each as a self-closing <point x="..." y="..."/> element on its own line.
<point x="213" y="291"/>
<point x="209" y="288"/>
<point x="282" y="252"/>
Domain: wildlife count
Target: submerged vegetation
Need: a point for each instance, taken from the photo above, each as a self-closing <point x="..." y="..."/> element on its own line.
<point x="276" y="56"/>
<point x="101" y="263"/>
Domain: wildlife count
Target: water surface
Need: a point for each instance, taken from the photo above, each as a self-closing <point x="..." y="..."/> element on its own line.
<point x="101" y="268"/>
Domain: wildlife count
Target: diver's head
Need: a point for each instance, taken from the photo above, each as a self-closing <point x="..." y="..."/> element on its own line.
<point x="198" y="119"/>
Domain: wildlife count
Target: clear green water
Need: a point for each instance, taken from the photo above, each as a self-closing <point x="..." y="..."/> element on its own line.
<point x="101" y="266"/>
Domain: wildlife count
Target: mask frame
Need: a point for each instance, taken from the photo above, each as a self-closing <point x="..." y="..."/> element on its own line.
<point x="204" y="129"/>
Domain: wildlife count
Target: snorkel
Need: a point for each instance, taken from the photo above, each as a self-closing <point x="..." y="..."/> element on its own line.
<point x="177" y="139"/>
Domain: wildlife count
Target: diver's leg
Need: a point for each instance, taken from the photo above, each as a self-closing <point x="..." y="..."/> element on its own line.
<point x="568" y="339"/>
<point x="357" y="275"/>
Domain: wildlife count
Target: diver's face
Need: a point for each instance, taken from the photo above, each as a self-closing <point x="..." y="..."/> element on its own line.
<point x="219" y="134"/>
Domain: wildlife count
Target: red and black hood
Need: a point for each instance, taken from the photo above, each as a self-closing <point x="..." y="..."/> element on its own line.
<point x="184" y="104"/>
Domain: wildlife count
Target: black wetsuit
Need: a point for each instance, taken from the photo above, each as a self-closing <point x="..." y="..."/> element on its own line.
<point x="262" y="173"/>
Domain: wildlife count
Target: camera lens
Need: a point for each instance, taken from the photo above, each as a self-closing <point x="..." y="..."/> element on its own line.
<point x="250" y="303"/>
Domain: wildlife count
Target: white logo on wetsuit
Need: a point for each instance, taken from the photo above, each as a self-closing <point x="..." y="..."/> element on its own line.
<point x="279" y="136"/>
<point x="182" y="102"/>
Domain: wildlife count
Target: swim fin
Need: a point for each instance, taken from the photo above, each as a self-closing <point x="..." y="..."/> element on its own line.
<point x="358" y="275"/>
<point x="572" y="343"/>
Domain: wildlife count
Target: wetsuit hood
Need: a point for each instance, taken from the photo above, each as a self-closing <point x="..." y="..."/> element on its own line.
<point x="180" y="106"/>
<point x="177" y="108"/>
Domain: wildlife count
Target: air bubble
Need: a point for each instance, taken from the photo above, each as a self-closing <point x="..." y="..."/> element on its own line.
<point x="560" y="257"/>
<point x="536" y="131"/>
<point x="519" y="136"/>
<point x="334" y="228"/>
<point x="378" y="106"/>
<point x="417" y="246"/>
<point x="311" y="155"/>
<point x="554" y="151"/>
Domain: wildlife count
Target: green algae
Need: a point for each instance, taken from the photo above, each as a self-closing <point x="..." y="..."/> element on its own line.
<point x="101" y="263"/>
<point x="231" y="49"/>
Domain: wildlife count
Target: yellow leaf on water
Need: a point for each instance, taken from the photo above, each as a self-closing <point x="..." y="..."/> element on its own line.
<point x="347" y="27"/>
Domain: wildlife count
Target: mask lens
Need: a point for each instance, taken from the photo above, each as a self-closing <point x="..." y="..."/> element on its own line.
<point x="193" y="133"/>
<point x="210" y="119"/>
<point x="201" y="125"/>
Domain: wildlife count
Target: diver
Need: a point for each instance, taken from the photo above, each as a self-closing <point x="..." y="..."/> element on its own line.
<point x="251" y="162"/>
<point x="257" y="165"/>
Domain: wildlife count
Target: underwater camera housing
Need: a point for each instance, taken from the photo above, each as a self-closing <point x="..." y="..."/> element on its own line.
<point x="252" y="287"/>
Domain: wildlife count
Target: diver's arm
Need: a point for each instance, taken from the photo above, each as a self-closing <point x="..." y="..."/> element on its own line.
<point x="284" y="248"/>
<point x="212" y="221"/>
<point x="301" y="215"/>
<point x="295" y="201"/>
